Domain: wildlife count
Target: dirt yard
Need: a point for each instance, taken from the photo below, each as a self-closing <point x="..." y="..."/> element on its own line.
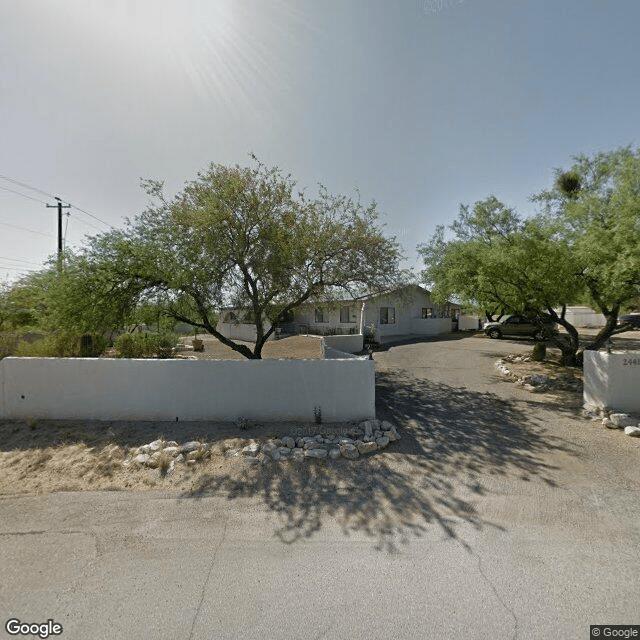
<point x="294" y="347"/>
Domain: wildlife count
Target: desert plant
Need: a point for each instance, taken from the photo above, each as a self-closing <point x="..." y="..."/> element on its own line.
<point x="539" y="352"/>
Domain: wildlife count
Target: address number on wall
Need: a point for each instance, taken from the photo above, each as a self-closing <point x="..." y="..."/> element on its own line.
<point x="630" y="362"/>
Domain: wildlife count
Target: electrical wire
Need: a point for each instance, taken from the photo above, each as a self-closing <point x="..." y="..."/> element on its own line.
<point x="24" y="195"/>
<point x="26" y="186"/>
<point x="91" y="215"/>
<point x="15" y="226"/>
<point x="18" y="260"/>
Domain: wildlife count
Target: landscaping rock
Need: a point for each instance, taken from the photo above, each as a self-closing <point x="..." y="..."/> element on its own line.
<point x="297" y="454"/>
<point x="632" y="431"/>
<point x="349" y="451"/>
<point x="288" y="442"/>
<point x="171" y="443"/>
<point x="284" y="452"/>
<point x="172" y="451"/>
<point x="156" y="445"/>
<point x="382" y="441"/>
<point x="606" y="422"/>
<point x="142" y="458"/>
<point x="367" y="447"/>
<point x="334" y="454"/>
<point x="179" y="458"/>
<point x="315" y="453"/>
<point x="623" y="420"/>
<point x="187" y="447"/>
<point x="251" y="450"/>
<point x="252" y="461"/>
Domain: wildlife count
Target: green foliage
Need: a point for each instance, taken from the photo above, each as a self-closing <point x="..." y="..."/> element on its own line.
<point x="54" y="345"/>
<point x="234" y="236"/>
<point x="145" y="345"/>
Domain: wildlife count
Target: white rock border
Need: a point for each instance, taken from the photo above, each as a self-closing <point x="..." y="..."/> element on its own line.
<point x="367" y="437"/>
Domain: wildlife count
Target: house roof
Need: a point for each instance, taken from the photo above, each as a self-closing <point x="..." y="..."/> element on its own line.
<point x="363" y="298"/>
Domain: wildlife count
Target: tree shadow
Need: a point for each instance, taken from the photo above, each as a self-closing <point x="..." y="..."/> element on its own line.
<point x="452" y="440"/>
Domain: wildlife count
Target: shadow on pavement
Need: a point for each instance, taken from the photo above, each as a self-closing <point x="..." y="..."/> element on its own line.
<point x="452" y="439"/>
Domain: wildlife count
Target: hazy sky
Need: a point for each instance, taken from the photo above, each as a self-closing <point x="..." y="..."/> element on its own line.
<point x="420" y="104"/>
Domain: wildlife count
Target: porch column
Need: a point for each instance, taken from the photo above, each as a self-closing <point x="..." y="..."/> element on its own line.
<point x="362" y="318"/>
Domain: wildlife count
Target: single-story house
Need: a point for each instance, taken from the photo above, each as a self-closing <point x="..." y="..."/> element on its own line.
<point x="407" y="311"/>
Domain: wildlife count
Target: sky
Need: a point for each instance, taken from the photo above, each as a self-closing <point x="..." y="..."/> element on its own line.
<point x="420" y="105"/>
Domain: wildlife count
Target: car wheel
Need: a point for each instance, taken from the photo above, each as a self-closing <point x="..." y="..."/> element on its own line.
<point x="494" y="333"/>
<point x="539" y="335"/>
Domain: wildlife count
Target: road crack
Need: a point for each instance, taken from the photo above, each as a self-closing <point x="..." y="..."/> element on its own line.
<point x="208" y="578"/>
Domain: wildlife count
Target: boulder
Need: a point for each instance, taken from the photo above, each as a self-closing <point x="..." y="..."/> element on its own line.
<point x="315" y="453"/>
<point x="251" y="450"/>
<point x="606" y="422"/>
<point x="349" y="451"/>
<point x="367" y="447"/>
<point x="632" y="431"/>
<point x="172" y="451"/>
<point x="623" y="420"/>
<point x="187" y="447"/>
<point x="156" y="445"/>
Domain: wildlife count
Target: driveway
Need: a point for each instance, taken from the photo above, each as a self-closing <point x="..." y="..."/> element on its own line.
<point x="500" y="514"/>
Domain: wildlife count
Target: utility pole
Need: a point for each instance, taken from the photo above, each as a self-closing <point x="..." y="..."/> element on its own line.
<point x="60" y="207"/>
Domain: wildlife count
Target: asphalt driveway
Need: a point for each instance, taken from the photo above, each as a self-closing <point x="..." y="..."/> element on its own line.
<point x="500" y="514"/>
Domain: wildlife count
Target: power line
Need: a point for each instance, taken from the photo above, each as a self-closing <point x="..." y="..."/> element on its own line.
<point x="95" y="217"/>
<point x="24" y="195"/>
<point x="45" y="193"/>
<point x="18" y="260"/>
<point x="15" y="226"/>
<point x="27" y="186"/>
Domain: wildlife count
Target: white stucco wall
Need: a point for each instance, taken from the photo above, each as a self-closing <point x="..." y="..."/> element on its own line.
<point x="584" y="317"/>
<point x="240" y="331"/>
<point x="468" y="323"/>
<point x="348" y="344"/>
<point x="222" y="390"/>
<point x="612" y="380"/>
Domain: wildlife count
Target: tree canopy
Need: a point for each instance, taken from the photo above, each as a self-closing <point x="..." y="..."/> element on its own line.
<point x="234" y="237"/>
<point x="584" y="246"/>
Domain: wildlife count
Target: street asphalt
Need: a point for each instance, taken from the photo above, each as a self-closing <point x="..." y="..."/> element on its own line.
<point x="521" y="520"/>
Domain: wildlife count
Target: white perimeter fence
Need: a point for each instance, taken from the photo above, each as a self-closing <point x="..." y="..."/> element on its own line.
<point x="219" y="390"/>
<point x="612" y="380"/>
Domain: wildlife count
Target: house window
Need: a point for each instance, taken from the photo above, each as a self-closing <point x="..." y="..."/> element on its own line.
<point x="345" y="315"/>
<point x="387" y="315"/>
<point x="320" y="317"/>
<point x="427" y="312"/>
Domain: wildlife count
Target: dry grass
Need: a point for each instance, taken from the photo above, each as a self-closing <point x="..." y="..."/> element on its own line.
<point x="59" y="455"/>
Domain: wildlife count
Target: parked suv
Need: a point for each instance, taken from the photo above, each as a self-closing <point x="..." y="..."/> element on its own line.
<point x="536" y="328"/>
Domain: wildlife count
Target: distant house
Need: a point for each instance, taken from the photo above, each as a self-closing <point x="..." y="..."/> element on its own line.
<point x="402" y="312"/>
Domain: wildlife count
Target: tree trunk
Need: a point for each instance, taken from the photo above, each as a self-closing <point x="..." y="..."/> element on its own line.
<point x="607" y="331"/>
<point x="569" y="344"/>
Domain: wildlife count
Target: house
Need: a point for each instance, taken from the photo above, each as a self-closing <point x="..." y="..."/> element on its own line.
<point x="403" y="312"/>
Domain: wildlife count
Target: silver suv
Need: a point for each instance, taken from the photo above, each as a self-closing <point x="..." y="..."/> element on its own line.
<point x="536" y="328"/>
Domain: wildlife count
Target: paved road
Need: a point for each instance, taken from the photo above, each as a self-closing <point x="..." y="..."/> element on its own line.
<point x="501" y="514"/>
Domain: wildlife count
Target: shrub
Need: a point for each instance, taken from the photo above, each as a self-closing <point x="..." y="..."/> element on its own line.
<point x="54" y="345"/>
<point x="145" y="345"/>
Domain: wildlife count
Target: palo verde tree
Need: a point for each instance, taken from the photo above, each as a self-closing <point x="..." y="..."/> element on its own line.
<point x="496" y="261"/>
<point x="234" y="237"/>
<point x="595" y="207"/>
